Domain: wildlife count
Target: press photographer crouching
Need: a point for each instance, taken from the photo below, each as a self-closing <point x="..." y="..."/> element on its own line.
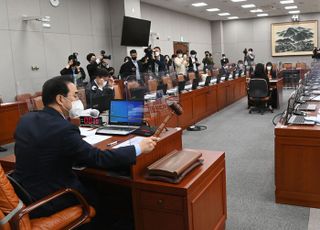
<point x="74" y="69"/>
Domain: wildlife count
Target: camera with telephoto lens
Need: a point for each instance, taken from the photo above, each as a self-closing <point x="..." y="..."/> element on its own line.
<point x="104" y="56"/>
<point x="74" y="58"/>
<point x="148" y="52"/>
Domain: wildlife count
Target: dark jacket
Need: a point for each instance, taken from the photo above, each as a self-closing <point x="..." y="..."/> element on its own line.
<point x="161" y="65"/>
<point x="46" y="148"/>
<point x="91" y="67"/>
<point x="93" y="91"/>
<point x="129" y="69"/>
<point x="190" y="66"/>
<point x="69" y="71"/>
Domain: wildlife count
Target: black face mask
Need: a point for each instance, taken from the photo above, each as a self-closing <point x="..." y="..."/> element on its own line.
<point x="134" y="58"/>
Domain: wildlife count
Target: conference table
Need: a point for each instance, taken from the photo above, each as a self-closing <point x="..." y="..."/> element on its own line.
<point x="197" y="202"/>
<point x="297" y="160"/>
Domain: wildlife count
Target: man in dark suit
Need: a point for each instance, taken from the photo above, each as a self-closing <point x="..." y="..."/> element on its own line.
<point x="132" y="68"/>
<point x="74" y="69"/>
<point x="224" y="60"/>
<point x="157" y="62"/>
<point x="48" y="146"/>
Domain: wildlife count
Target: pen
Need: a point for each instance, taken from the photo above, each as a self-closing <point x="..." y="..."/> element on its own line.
<point x="112" y="143"/>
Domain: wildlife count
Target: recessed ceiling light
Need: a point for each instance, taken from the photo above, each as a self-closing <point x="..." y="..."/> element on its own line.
<point x="233" y="17"/>
<point x="256" y="11"/>
<point x="286" y="2"/>
<point x="294" y="12"/>
<point x="198" y="4"/>
<point x="224" y="14"/>
<point x="213" y="9"/>
<point x="262" y="15"/>
<point x="238" y="0"/>
<point x="290" y="7"/>
<point x="248" y="6"/>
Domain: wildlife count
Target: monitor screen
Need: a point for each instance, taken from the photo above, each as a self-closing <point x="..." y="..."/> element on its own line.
<point x="135" y="32"/>
<point x="126" y="112"/>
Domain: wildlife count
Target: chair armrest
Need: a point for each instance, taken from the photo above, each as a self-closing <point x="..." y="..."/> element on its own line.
<point x="84" y="204"/>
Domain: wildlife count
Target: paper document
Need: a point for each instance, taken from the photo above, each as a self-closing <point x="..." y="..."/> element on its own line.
<point x="317" y="98"/>
<point x="313" y="118"/>
<point x="94" y="139"/>
<point x="87" y="131"/>
<point x="132" y="141"/>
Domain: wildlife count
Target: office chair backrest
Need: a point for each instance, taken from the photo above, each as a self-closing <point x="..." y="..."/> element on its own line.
<point x="37" y="103"/>
<point x="9" y="200"/>
<point x="152" y="85"/>
<point x="167" y="81"/>
<point x="191" y="76"/>
<point x="117" y="92"/>
<point x="258" y="88"/>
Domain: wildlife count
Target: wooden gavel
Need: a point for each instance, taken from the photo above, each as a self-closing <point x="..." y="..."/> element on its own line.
<point x="175" y="109"/>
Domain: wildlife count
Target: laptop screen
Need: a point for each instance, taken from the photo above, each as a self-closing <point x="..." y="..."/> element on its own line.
<point x="124" y="112"/>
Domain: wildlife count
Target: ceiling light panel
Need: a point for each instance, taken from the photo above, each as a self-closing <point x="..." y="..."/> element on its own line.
<point x="213" y="9"/>
<point x="199" y="4"/>
<point x="233" y="17"/>
<point x="287" y="2"/>
<point x="224" y="14"/>
<point x="291" y="7"/>
<point x="238" y="0"/>
<point x="256" y="11"/>
<point x="248" y="6"/>
<point x="262" y="15"/>
<point x="294" y="12"/>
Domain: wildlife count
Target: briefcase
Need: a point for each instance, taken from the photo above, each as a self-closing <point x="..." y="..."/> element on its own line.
<point x="175" y="166"/>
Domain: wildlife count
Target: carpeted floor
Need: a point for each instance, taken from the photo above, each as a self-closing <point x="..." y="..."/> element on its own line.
<point x="248" y="141"/>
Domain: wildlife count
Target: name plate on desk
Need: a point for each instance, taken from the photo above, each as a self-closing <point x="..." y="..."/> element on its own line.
<point x="90" y="121"/>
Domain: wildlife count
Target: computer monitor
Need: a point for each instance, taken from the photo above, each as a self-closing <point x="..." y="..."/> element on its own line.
<point x="195" y="83"/>
<point x="124" y="112"/>
<point x="207" y="81"/>
<point x="181" y="85"/>
<point x="162" y="87"/>
<point x="135" y="32"/>
<point x="101" y="103"/>
<point x="138" y="93"/>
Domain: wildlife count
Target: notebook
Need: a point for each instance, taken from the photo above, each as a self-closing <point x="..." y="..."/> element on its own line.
<point x="124" y="117"/>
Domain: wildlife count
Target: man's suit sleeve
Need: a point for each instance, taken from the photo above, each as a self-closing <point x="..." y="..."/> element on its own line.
<point x="85" y="154"/>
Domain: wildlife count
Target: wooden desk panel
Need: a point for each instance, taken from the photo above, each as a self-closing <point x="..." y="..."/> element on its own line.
<point x="276" y="97"/>
<point x="187" y="117"/>
<point x="297" y="160"/>
<point x="197" y="202"/>
<point x="200" y="103"/>
<point x="212" y="105"/>
<point x="10" y="114"/>
<point x="222" y="95"/>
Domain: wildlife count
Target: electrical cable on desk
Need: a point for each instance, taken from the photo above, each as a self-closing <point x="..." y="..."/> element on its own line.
<point x="274" y="118"/>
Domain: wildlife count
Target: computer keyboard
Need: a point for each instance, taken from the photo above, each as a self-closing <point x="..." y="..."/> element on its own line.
<point x="120" y="128"/>
<point x="297" y="120"/>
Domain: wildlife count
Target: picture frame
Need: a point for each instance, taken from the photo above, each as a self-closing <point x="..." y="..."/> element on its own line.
<point x="294" y="38"/>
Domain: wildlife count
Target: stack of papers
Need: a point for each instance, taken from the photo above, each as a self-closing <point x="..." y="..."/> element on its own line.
<point x="94" y="139"/>
<point x="85" y="131"/>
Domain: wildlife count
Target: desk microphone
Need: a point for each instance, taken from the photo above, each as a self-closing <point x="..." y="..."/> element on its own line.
<point x="175" y="109"/>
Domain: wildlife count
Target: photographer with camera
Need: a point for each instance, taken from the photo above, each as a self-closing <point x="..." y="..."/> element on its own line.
<point x="157" y="62"/>
<point x="207" y="61"/>
<point x="103" y="60"/>
<point x="248" y="57"/>
<point x="74" y="69"/>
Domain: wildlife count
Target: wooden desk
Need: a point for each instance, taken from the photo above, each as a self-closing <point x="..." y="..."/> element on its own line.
<point x="276" y="97"/>
<point x="202" y="102"/>
<point x="198" y="202"/>
<point x="10" y="114"/>
<point x="297" y="165"/>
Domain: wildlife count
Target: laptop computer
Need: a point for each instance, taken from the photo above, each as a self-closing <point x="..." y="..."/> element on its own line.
<point x="306" y="107"/>
<point x="124" y="117"/>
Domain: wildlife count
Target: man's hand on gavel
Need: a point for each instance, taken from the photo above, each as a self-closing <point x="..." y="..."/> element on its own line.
<point x="148" y="144"/>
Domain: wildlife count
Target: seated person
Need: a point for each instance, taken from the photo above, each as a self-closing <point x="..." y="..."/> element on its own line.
<point x="271" y="73"/>
<point x="133" y="90"/>
<point x="260" y="73"/>
<point x="47" y="146"/>
<point x="99" y="88"/>
<point x="224" y="70"/>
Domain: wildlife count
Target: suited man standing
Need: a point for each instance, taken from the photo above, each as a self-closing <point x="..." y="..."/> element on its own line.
<point x="224" y="60"/>
<point x="132" y="67"/>
<point x="48" y="145"/>
<point x="158" y="64"/>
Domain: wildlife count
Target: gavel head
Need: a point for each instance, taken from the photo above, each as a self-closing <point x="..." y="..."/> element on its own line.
<point x="176" y="108"/>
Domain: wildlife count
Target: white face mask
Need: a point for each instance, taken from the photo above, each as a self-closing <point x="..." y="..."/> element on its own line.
<point x="156" y="53"/>
<point x="193" y="55"/>
<point x="180" y="55"/>
<point x="269" y="67"/>
<point x="240" y="66"/>
<point x="76" y="108"/>
<point x="105" y="83"/>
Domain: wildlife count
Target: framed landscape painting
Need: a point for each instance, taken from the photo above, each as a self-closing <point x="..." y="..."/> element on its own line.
<point x="294" y="38"/>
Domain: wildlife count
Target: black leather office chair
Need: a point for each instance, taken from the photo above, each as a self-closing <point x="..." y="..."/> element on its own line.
<point x="259" y="96"/>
